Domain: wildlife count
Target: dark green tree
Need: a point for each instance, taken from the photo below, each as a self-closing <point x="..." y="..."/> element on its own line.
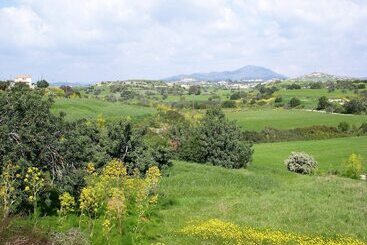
<point x="294" y="102"/>
<point x="42" y="84"/>
<point x="323" y="103"/>
<point x="217" y="141"/>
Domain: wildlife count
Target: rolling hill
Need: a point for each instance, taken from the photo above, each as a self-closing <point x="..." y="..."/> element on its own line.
<point x="245" y="73"/>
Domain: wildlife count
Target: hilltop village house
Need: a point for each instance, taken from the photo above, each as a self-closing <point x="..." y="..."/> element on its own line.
<point x="26" y="79"/>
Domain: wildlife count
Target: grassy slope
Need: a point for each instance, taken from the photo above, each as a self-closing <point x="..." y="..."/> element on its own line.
<point x="309" y="97"/>
<point x="284" y="119"/>
<point x="266" y="195"/>
<point x="92" y="108"/>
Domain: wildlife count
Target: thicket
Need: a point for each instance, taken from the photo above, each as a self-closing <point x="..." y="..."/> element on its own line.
<point x="32" y="137"/>
<point x="316" y="132"/>
<point x="213" y="140"/>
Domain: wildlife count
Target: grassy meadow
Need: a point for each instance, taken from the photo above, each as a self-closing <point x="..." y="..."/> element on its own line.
<point x="309" y="97"/>
<point x="91" y="108"/>
<point x="286" y="119"/>
<point x="266" y="195"/>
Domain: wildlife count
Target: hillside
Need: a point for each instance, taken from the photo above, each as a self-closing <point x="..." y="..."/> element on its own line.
<point x="245" y="73"/>
<point x="319" y="77"/>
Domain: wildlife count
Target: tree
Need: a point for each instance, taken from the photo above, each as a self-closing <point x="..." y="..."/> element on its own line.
<point x="294" y="102"/>
<point x="354" y="106"/>
<point x="42" y="84"/>
<point x="323" y="103"/>
<point x="229" y="104"/>
<point x="194" y="89"/>
<point x="217" y="141"/>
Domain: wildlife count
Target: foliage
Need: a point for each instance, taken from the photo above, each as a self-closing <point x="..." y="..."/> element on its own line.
<point x="323" y="103"/>
<point x="114" y="195"/>
<point x="222" y="232"/>
<point x="343" y="126"/>
<point x="305" y="133"/>
<point x="34" y="183"/>
<point x="294" y="86"/>
<point x="42" y="84"/>
<point x="354" y="106"/>
<point x="10" y="182"/>
<point x="67" y="204"/>
<point x="195" y="89"/>
<point x="215" y="140"/>
<point x="352" y="167"/>
<point x="294" y="102"/>
<point x="300" y="162"/>
<point x="229" y="104"/>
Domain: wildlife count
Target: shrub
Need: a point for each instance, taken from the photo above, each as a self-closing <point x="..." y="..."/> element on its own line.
<point x="323" y="103"/>
<point x="352" y="167"/>
<point x="215" y="140"/>
<point x="229" y="104"/>
<point x="300" y="162"/>
<point x="294" y="102"/>
<point x="343" y="126"/>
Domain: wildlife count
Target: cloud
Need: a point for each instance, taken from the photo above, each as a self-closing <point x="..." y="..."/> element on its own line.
<point x="92" y="40"/>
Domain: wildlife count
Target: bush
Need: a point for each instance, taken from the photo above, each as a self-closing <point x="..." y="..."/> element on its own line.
<point x="294" y="86"/>
<point x="229" y="104"/>
<point x="300" y="162"/>
<point x="294" y="102"/>
<point x="352" y="167"/>
<point x="215" y="140"/>
<point x="323" y="103"/>
<point x="344" y="127"/>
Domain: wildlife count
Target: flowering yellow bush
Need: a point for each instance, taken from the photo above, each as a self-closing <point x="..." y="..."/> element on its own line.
<point x="34" y="182"/>
<point x="353" y="166"/>
<point x="67" y="203"/>
<point x="9" y="182"/>
<point x="88" y="201"/>
<point x="229" y="233"/>
<point x="113" y="193"/>
<point x="90" y="168"/>
<point x="114" y="169"/>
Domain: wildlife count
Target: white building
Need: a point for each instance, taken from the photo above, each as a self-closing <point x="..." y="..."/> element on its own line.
<point x="26" y="79"/>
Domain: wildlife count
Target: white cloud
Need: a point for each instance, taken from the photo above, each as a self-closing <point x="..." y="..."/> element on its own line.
<point x="92" y="40"/>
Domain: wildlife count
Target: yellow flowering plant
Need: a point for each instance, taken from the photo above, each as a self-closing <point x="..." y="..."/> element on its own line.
<point x="67" y="204"/>
<point x="10" y="180"/>
<point x="222" y="232"/>
<point x="34" y="183"/>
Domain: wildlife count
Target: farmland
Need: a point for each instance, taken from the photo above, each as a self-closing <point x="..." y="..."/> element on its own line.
<point x="267" y="196"/>
<point x="285" y="119"/>
<point x="92" y="108"/>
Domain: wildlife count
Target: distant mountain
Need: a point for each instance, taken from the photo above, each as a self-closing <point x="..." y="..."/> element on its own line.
<point x="319" y="77"/>
<point x="71" y="84"/>
<point x="245" y="73"/>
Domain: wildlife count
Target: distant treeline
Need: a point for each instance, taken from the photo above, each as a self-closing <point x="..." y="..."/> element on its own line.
<point x="316" y="132"/>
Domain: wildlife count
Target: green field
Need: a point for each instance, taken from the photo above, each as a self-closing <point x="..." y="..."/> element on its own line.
<point x="92" y="108"/>
<point x="286" y="119"/>
<point x="266" y="195"/>
<point x="309" y="97"/>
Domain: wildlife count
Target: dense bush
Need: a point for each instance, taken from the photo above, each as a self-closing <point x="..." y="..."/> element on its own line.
<point x="294" y="86"/>
<point x="294" y="102"/>
<point x="214" y="140"/>
<point x="343" y="126"/>
<point x="323" y="103"/>
<point x="31" y="136"/>
<point x="354" y="106"/>
<point x="42" y="84"/>
<point x="316" y="132"/>
<point x="300" y="162"/>
<point x="229" y="104"/>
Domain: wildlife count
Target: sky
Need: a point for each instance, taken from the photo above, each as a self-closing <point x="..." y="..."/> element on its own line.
<point x="97" y="40"/>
